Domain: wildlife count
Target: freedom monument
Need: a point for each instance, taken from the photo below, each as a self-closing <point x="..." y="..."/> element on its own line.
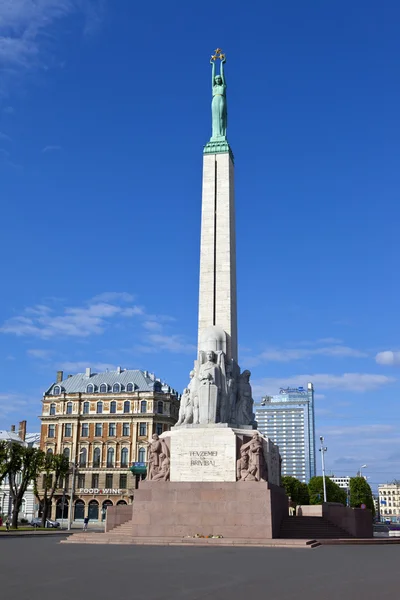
<point x="213" y="473"/>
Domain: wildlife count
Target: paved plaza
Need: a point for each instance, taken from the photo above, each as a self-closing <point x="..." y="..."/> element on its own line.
<point x="44" y="569"/>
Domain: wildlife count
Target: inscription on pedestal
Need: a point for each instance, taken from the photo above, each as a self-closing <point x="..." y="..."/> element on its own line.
<point x="203" y="455"/>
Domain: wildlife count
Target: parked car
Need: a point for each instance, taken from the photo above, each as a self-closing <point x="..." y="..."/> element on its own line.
<point x="381" y="530"/>
<point x="37" y="522"/>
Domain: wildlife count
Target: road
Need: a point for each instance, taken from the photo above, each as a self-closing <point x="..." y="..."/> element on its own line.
<point x="44" y="569"/>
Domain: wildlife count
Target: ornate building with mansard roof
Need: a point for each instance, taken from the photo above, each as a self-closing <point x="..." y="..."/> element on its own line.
<point x="103" y="422"/>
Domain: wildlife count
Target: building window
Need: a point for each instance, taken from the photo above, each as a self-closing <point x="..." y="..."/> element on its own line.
<point x="113" y="407"/>
<point x="103" y="388"/>
<point x="110" y="459"/>
<point x="85" y="430"/>
<point x="160" y="407"/>
<point x="142" y="455"/>
<point x="51" y="432"/>
<point x="109" y="480"/>
<point x="111" y="429"/>
<point x="81" y="480"/>
<point x="66" y="453"/>
<point x="86" y="408"/>
<point x="56" y="390"/>
<point x="124" y="457"/>
<point x="95" y="480"/>
<point x="116" y="388"/>
<point x="143" y="406"/>
<point x="130" y="387"/>
<point x="49" y="451"/>
<point x="159" y="428"/>
<point x="83" y="457"/>
<point x="69" y="408"/>
<point x="125" y="429"/>
<point x="52" y="409"/>
<point x="96" y="457"/>
<point x="127" y="406"/>
<point x="68" y="429"/>
<point x="98" y="429"/>
<point x="90" y="388"/>
<point x="123" y="481"/>
<point x="143" y="429"/>
<point x="99" y="408"/>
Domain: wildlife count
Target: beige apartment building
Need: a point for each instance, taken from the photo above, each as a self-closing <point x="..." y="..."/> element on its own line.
<point x="103" y="423"/>
<point x="389" y="501"/>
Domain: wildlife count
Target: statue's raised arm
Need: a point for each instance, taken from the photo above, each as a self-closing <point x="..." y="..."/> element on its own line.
<point x="218" y="106"/>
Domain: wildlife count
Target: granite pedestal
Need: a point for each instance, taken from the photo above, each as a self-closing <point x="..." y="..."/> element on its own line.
<point x="251" y="509"/>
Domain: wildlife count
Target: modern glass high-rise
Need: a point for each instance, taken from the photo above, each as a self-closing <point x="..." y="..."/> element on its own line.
<point x="288" y="420"/>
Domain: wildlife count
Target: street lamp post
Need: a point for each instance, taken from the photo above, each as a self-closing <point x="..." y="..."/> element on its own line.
<point x="323" y="449"/>
<point x="361" y="468"/>
<point x="71" y="500"/>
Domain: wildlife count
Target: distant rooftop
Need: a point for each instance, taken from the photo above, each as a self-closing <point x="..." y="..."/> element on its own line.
<point x="10" y="436"/>
<point x="121" y="380"/>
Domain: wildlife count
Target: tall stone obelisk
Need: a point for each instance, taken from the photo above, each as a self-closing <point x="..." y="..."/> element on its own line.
<point x="217" y="292"/>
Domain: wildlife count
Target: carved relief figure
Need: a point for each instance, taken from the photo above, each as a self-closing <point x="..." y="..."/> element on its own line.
<point x="244" y="407"/>
<point x="256" y="466"/>
<point x="228" y="414"/>
<point x="186" y="408"/>
<point x="163" y="473"/>
<point x="158" y="455"/>
<point x="244" y="472"/>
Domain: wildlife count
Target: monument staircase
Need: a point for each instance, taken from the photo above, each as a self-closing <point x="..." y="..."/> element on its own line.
<point x="317" y="528"/>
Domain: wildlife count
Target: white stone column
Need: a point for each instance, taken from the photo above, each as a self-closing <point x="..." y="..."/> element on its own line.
<point x="217" y="294"/>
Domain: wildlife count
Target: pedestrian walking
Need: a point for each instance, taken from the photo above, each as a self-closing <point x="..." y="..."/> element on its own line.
<point x="1" y="521"/>
<point x="85" y="523"/>
<point x="8" y="523"/>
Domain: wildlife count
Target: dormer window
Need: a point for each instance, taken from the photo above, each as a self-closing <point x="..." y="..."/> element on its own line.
<point x="103" y="388"/>
<point x="130" y="387"/>
<point x="116" y="388"/>
<point x="157" y="386"/>
<point x="56" y="390"/>
<point x="90" y="388"/>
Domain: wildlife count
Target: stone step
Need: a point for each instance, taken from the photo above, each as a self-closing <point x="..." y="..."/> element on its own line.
<point x="170" y="541"/>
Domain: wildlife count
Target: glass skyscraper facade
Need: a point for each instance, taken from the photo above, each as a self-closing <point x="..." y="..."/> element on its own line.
<point x="288" y="420"/>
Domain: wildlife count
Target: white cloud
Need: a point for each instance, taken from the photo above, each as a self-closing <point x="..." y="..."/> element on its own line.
<point x="355" y="382"/>
<point x="47" y="149"/>
<point x="291" y="354"/>
<point x="42" y="321"/>
<point x="26" y="28"/>
<point x="39" y="353"/>
<point x="113" y="296"/>
<point x="354" y="430"/>
<point x="388" y="357"/>
<point x="81" y="365"/>
<point x="152" y="326"/>
<point x="170" y="343"/>
<point x="11" y="403"/>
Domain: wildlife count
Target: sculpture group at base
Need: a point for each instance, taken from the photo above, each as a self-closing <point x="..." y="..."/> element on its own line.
<point x="159" y="460"/>
<point x="217" y="392"/>
<point x="251" y="466"/>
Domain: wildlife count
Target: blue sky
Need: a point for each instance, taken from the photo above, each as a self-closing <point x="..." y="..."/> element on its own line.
<point x="104" y="110"/>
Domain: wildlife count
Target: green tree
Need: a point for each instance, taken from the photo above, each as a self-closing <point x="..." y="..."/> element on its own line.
<point x="22" y="467"/>
<point x="361" y="493"/>
<point x="54" y="468"/>
<point x="297" y="490"/>
<point x="333" y="492"/>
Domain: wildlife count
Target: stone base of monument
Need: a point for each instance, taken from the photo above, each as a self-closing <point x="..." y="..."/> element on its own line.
<point x="200" y="453"/>
<point x="236" y="510"/>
